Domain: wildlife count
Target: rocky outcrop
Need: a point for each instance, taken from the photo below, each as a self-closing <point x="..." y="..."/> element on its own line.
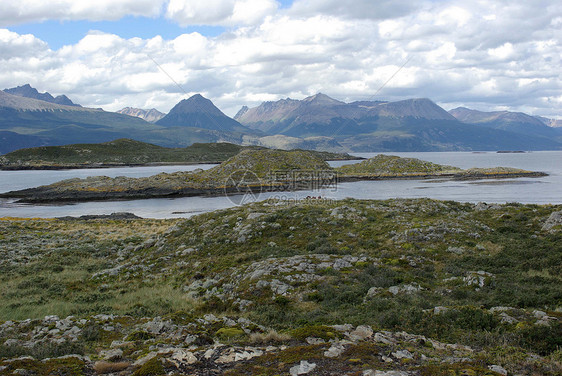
<point x="553" y="222"/>
<point x="158" y="345"/>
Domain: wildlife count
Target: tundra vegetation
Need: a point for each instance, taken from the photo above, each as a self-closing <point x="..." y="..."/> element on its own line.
<point x="125" y="152"/>
<point x="351" y="287"/>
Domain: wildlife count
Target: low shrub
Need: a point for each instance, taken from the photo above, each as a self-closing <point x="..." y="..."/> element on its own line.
<point x="317" y="331"/>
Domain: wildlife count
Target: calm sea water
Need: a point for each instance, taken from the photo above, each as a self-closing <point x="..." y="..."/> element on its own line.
<point x="544" y="190"/>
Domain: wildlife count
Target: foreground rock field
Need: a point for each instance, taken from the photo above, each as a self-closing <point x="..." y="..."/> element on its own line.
<point x="317" y="287"/>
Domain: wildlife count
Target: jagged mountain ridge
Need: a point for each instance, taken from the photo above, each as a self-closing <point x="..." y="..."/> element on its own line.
<point x="34" y="122"/>
<point x="152" y="115"/>
<point x="288" y="116"/>
<point x="294" y="109"/>
<point x="27" y="122"/>
<point x="21" y="103"/>
<point x="317" y="122"/>
<point x="30" y="92"/>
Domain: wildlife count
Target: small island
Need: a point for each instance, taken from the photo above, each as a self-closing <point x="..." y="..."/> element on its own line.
<point x="255" y="170"/>
<point x="125" y="152"/>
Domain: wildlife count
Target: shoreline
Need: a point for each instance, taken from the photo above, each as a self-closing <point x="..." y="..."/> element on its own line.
<point x="104" y="165"/>
<point x="43" y="195"/>
<point x="118" y="165"/>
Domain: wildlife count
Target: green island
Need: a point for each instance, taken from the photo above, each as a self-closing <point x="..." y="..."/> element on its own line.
<point x="127" y="152"/>
<point x="255" y="170"/>
<point x="354" y="287"/>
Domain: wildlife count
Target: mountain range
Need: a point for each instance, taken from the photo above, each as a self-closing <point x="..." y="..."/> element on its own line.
<point x="29" y="92"/>
<point x="152" y="115"/>
<point x="407" y="125"/>
<point x="316" y="122"/>
<point x="509" y="121"/>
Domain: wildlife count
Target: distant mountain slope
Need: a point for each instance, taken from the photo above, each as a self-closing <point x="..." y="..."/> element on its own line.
<point x="318" y="122"/>
<point x="12" y="141"/>
<point x="53" y="124"/>
<point x="35" y="122"/>
<point x="468" y="115"/>
<point x="415" y="108"/>
<point x="517" y="122"/>
<point x="152" y="115"/>
<point x="440" y="135"/>
<point x="283" y="142"/>
<point x="320" y="115"/>
<point x="320" y="109"/>
<point x="408" y="125"/>
<point x="554" y="123"/>
<point x="29" y="92"/>
<point x="200" y="112"/>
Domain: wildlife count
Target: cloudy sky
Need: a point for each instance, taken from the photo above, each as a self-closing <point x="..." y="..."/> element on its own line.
<point x="482" y="54"/>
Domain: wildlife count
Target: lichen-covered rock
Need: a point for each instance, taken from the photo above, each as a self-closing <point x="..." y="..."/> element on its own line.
<point x="554" y="222"/>
<point x="302" y="368"/>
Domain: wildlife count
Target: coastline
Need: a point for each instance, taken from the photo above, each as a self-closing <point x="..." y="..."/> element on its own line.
<point x="46" y="194"/>
<point x="120" y="165"/>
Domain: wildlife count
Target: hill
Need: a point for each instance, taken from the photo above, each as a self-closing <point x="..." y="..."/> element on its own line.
<point x="30" y="92"/>
<point x="259" y="164"/>
<point x="127" y="152"/>
<point x="12" y="141"/>
<point x="356" y="287"/>
<point x="390" y="164"/>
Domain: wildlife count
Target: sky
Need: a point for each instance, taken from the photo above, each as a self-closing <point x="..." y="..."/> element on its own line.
<point x="482" y="54"/>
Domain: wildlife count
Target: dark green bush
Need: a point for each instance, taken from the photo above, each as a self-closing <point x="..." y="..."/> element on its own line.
<point x="543" y="339"/>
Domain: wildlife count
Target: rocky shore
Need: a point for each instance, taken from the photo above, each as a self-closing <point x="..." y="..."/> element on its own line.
<point x="255" y="171"/>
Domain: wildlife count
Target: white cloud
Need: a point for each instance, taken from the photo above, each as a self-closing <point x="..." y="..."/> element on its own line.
<point x="13" y="45"/>
<point x="459" y="55"/>
<point x="219" y="12"/>
<point x="502" y="52"/>
<point x="362" y="9"/>
<point x="16" y="12"/>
